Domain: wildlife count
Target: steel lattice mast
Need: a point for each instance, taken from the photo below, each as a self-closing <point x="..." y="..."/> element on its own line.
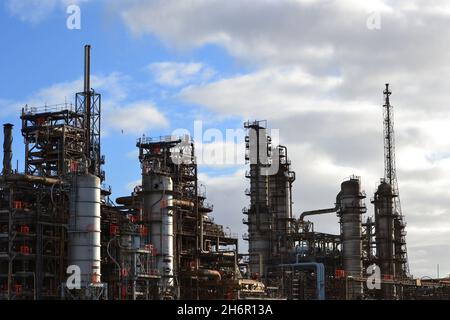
<point x="390" y="175"/>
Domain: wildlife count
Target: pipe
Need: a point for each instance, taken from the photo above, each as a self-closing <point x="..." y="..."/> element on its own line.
<point x="199" y="215"/>
<point x="316" y="212"/>
<point x="87" y="97"/>
<point x="7" y="148"/>
<point x="321" y="211"/>
<point x="210" y="273"/>
<point x="30" y="178"/>
<point x="261" y="263"/>
<point x="87" y="68"/>
<point x="320" y="270"/>
<point x="183" y="203"/>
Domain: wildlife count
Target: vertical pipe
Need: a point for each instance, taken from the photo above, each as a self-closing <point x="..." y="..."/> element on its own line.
<point x="7" y="148"/>
<point x="87" y="97"/>
<point x="87" y="68"/>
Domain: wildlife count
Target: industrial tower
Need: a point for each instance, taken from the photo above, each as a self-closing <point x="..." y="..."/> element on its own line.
<point x="390" y="176"/>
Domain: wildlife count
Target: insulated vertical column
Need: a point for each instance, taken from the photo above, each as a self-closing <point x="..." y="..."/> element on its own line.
<point x="384" y="234"/>
<point x="84" y="228"/>
<point x="351" y="209"/>
<point x="259" y="220"/>
<point x="158" y="204"/>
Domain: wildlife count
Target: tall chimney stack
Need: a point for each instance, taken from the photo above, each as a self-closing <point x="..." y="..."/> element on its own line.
<point x="87" y="68"/>
<point x="7" y="148"/>
<point x="87" y="98"/>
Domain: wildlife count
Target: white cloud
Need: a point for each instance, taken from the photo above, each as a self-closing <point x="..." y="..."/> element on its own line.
<point x="220" y="154"/>
<point x="323" y="37"/>
<point x="113" y="85"/>
<point x="270" y="92"/>
<point x="35" y="11"/>
<point x="178" y="73"/>
<point x="135" y="118"/>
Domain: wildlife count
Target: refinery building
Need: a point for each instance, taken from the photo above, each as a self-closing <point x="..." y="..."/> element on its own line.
<point x="63" y="236"/>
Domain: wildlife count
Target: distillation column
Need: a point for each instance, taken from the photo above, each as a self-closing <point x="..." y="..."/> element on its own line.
<point x="280" y="201"/>
<point x="84" y="228"/>
<point x="259" y="219"/>
<point x="384" y="234"/>
<point x="351" y="208"/>
<point x="157" y="204"/>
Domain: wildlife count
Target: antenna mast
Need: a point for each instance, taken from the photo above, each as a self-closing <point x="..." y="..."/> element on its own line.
<point x="390" y="175"/>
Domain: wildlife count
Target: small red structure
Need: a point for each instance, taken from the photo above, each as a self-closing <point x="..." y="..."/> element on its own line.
<point x="25" y="249"/>
<point x="339" y="274"/>
<point x="24" y="229"/>
<point x="113" y="229"/>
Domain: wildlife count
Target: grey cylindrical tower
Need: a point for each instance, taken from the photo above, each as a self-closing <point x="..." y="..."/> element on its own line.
<point x="7" y="148"/>
<point x="84" y="228"/>
<point x="384" y="234"/>
<point x="259" y="219"/>
<point x="280" y="209"/>
<point x="157" y="205"/>
<point x="351" y="208"/>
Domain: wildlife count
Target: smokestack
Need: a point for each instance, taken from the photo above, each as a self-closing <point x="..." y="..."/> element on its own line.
<point x="87" y="97"/>
<point x="87" y="68"/>
<point x="7" y="148"/>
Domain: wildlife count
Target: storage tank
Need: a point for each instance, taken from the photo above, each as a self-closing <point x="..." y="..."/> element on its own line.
<point x="84" y="227"/>
<point x="158" y="203"/>
<point x="384" y="234"/>
<point x="351" y="207"/>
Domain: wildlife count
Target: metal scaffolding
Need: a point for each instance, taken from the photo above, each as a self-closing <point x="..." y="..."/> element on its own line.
<point x="390" y="175"/>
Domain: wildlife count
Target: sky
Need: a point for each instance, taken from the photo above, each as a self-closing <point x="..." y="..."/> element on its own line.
<point x="315" y="70"/>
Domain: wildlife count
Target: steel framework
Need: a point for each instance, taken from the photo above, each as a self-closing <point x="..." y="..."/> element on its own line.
<point x="390" y="175"/>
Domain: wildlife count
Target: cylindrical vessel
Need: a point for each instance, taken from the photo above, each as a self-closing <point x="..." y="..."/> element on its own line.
<point x="259" y="250"/>
<point x="7" y="148"/>
<point x="158" y="204"/>
<point x="84" y="227"/>
<point x="279" y="206"/>
<point x="288" y="197"/>
<point x="260" y="222"/>
<point x="384" y="234"/>
<point x="351" y="209"/>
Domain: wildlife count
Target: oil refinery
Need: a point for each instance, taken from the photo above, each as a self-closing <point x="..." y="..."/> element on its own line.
<point x="62" y="237"/>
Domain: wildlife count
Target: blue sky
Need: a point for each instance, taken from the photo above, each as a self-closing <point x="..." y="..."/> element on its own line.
<point x="44" y="53"/>
<point x="313" y="69"/>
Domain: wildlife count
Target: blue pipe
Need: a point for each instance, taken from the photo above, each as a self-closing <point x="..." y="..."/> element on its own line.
<point x="320" y="270"/>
